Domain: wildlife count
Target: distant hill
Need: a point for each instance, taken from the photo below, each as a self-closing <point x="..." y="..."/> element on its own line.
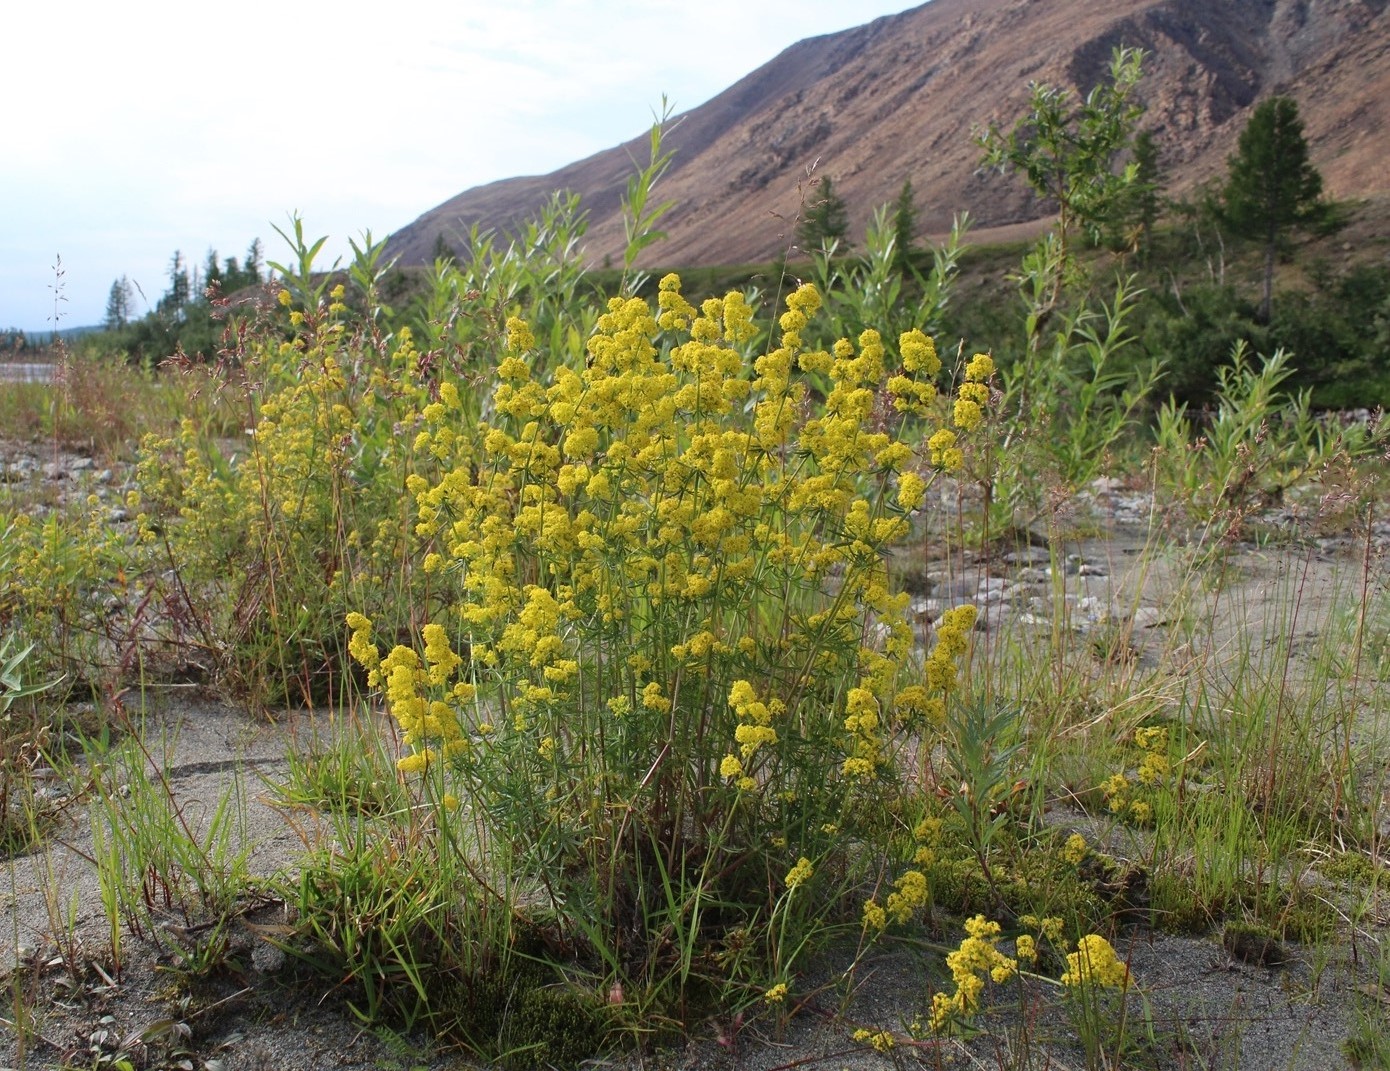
<point x="899" y="98"/>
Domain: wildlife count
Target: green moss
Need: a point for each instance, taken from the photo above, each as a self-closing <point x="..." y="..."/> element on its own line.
<point x="552" y="1027"/>
<point x="518" y="1019"/>
<point x="1349" y="868"/>
<point x="1308" y="919"/>
<point x="1037" y="881"/>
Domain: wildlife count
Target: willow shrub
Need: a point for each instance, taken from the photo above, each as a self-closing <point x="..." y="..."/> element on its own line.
<point x="667" y="677"/>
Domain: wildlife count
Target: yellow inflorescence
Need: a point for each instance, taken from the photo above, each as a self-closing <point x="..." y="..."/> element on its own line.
<point x="976" y="959"/>
<point x="801" y="872"/>
<point x="623" y="518"/>
<point x="1095" y="963"/>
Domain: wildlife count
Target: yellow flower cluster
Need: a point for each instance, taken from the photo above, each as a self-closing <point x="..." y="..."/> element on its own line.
<point x="753" y="732"/>
<point x="1049" y="927"/>
<point x="801" y="872"/>
<point x="60" y="568"/>
<point x="1154" y="769"/>
<point x="361" y="647"/>
<point x="973" y="394"/>
<point x="951" y="642"/>
<point x="1095" y="963"/>
<point x="927" y="833"/>
<point x="910" y="893"/>
<point x="975" y="959"/>
<point x="878" y="1040"/>
<point x="913" y="389"/>
<point x="424" y="722"/>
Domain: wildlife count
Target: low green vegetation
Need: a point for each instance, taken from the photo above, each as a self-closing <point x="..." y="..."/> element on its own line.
<point x="664" y="682"/>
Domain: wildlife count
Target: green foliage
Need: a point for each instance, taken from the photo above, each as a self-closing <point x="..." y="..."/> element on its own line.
<point x="1074" y="394"/>
<point x="904" y="228"/>
<point x="119" y="305"/>
<point x="158" y="862"/>
<point x="180" y="290"/>
<point x="669" y="731"/>
<point x="381" y="919"/>
<point x="868" y="290"/>
<point x="190" y="319"/>
<point x="981" y="746"/>
<point x="627" y="548"/>
<point x="1194" y="331"/>
<point x="1136" y="207"/>
<point x="1258" y="441"/>
<point x="639" y="218"/>
<point x="23" y="821"/>
<point x="1272" y="184"/>
<point x="1068" y="153"/>
<point x="539" y="270"/>
<point x="349" y="772"/>
<point x="1070" y="395"/>
<point x="825" y="221"/>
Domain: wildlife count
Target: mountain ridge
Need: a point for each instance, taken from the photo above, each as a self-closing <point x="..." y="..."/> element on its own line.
<point x="900" y="97"/>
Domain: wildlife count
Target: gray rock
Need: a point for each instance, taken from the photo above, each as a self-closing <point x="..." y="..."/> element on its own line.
<point x="266" y="958"/>
<point x="1148" y="617"/>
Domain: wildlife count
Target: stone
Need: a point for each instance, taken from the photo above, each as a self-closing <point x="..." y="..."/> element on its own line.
<point x="1148" y="617"/>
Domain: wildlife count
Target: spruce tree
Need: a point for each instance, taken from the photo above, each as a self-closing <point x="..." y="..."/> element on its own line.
<point x="1272" y="185"/>
<point x="826" y="220"/>
<point x="179" y="285"/>
<point x="904" y="227"/>
<point x="1144" y="191"/>
<point x="118" y="305"/>
<point x="212" y="273"/>
<point x="253" y="267"/>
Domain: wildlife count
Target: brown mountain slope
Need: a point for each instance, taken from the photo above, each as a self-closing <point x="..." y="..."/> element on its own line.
<point x="899" y="98"/>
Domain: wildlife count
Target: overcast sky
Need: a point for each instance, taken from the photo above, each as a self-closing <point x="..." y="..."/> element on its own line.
<point x="132" y="130"/>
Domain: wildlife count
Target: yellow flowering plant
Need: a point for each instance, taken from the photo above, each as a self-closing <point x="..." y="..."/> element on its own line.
<point x="666" y="653"/>
<point x="1131" y="798"/>
<point x="252" y="551"/>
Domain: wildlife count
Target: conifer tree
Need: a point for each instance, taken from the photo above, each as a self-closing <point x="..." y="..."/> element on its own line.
<point x="118" y="305"/>
<point x="826" y="220"/>
<point x="1143" y="191"/>
<point x="904" y="227"/>
<point x="212" y="271"/>
<point x="179" y="285"/>
<point x="254" y="267"/>
<point x="1272" y="185"/>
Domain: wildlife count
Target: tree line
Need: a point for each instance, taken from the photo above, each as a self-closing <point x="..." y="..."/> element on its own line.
<point x="183" y="316"/>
